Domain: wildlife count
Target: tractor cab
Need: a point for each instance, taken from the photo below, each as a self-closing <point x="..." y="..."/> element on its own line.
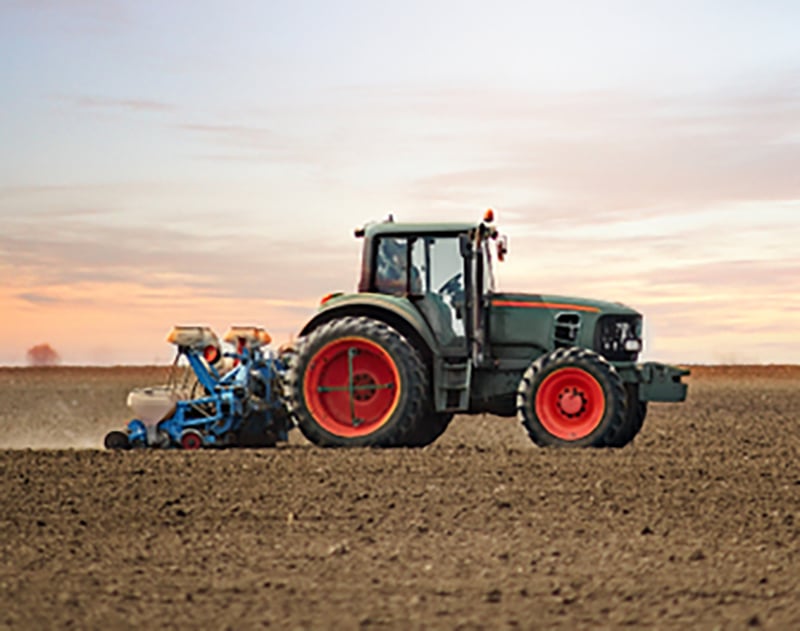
<point x="443" y="269"/>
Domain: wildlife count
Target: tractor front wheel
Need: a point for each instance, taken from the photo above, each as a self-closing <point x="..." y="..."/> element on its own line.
<point x="634" y="419"/>
<point x="571" y="397"/>
<point x="356" y="382"/>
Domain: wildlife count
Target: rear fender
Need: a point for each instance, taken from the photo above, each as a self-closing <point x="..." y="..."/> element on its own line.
<point x="397" y="312"/>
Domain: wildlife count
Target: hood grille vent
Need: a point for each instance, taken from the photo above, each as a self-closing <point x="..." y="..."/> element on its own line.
<point x="567" y="327"/>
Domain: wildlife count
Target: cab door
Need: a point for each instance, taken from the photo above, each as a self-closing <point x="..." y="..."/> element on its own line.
<point x="437" y="287"/>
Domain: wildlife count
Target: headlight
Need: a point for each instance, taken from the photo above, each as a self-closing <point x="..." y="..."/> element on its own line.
<point x="633" y="346"/>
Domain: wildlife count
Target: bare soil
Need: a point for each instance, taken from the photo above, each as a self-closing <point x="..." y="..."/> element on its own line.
<point x="695" y="525"/>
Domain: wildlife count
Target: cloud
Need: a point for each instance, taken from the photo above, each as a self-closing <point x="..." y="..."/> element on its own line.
<point x="236" y="142"/>
<point x="609" y="152"/>
<point x="37" y="299"/>
<point x="73" y="251"/>
<point x="135" y="105"/>
<point x="86" y="16"/>
<point x="746" y="276"/>
<point x="7" y="192"/>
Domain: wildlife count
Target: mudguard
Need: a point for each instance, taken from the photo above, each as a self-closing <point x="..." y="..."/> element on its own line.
<point x="396" y="311"/>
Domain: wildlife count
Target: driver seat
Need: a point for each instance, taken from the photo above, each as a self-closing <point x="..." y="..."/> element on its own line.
<point x="440" y="318"/>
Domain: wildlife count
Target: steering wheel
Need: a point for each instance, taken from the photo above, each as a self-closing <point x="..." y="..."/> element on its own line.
<point x="452" y="286"/>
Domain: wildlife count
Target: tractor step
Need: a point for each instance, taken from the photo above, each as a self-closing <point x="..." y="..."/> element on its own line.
<point x="453" y="386"/>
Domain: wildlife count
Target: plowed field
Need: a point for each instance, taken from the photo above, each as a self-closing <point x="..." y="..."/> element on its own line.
<point x="695" y="525"/>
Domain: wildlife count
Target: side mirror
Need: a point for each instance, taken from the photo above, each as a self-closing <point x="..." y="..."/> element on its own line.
<point x="502" y="248"/>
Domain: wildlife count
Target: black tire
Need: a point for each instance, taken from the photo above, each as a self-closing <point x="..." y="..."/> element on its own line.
<point x="571" y="397"/>
<point x="634" y="419"/>
<point x="431" y="426"/>
<point x="383" y="351"/>
<point x="116" y="440"/>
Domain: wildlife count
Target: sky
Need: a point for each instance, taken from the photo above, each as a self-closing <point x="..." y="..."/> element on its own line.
<point x="206" y="162"/>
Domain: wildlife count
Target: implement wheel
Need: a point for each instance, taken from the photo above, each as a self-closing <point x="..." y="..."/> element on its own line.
<point x="571" y="398"/>
<point x="116" y="440"/>
<point x="191" y="439"/>
<point x="356" y="381"/>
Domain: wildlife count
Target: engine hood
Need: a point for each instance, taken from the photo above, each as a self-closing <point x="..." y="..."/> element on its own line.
<point x="537" y="323"/>
<point x="557" y="303"/>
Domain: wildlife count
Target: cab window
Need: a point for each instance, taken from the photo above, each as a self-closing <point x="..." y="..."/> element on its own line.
<point x="390" y="266"/>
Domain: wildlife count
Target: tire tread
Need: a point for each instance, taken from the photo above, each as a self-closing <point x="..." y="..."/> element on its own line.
<point x="582" y="358"/>
<point x="403" y="422"/>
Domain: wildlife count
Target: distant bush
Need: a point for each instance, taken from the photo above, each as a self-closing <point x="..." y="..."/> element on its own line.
<point x="43" y="355"/>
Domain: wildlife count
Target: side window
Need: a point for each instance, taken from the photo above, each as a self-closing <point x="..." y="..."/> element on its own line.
<point x="438" y="274"/>
<point x="390" y="266"/>
<point x="447" y="266"/>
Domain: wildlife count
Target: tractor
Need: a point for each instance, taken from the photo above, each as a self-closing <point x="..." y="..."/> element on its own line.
<point x="427" y="336"/>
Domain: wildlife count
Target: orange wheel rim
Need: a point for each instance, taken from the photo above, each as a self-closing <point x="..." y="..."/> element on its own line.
<point x="351" y="387"/>
<point x="570" y="403"/>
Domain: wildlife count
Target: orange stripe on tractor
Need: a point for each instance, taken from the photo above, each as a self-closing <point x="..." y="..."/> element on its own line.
<point x="542" y="305"/>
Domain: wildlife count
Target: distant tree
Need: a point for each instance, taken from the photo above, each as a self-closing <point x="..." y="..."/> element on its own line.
<point x="43" y="355"/>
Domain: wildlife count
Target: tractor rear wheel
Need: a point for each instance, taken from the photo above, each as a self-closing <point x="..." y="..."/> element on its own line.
<point x="356" y="382"/>
<point x="571" y="397"/>
<point x="634" y="419"/>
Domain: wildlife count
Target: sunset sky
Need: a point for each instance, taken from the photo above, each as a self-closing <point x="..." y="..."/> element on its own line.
<point x="206" y="162"/>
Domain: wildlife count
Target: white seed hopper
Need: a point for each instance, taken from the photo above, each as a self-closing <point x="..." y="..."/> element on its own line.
<point x="197" y="337"/>
<point x="153" y="404"/>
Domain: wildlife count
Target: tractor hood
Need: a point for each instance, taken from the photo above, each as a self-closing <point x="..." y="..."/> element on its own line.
<point x="541" y="322"/>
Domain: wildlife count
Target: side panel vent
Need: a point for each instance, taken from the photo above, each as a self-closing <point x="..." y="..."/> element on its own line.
<point x="567" y="327"/>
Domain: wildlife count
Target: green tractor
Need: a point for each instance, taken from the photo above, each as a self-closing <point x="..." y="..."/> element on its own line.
<point x="427" y="337"/>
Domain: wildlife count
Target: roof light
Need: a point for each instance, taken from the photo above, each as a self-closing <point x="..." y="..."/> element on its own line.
<point x="488" y="216"/>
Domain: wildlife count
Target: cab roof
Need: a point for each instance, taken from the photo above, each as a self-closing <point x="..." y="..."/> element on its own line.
<point x="394" y="228"/>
